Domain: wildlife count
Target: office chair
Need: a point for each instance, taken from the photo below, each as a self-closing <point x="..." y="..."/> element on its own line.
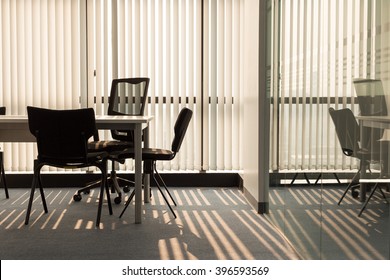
<point x="348" y="134"/>
<point x="128" y="97"/>
<point x="151" y="155"/>
<point x="62" y="139"/>
<point x="2" y="171"/>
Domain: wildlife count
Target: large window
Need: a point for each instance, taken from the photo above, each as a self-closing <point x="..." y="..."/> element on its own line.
<point x="64" y="54"/>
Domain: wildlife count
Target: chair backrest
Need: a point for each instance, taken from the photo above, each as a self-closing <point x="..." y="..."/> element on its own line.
<point x="372" y="102"/>
<point x="371" y="97"/>
<point x="62" y="135"/>
<point x="180" y="128"/>
<point x="347" y="130"/>
<point x="128" y="97"/>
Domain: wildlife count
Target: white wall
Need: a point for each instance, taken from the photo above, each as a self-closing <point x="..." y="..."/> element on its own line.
<point x="250" y="138"/>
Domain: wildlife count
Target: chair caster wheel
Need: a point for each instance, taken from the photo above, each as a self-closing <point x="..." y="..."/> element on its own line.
<point x="77" y="197"/>
<point x="117" y="200"/>
<point x="126" y="189"/>
<point x="355" y="194"/>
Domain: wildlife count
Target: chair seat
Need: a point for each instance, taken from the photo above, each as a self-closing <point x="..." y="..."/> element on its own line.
<point x="74" y="162"/>
<point x="109" y="145"/>
<point x="157" y="154"/>
<point x="147" y="154"/>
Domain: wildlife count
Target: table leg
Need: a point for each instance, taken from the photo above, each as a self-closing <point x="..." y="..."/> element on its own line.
<point x="363" y="169"/>
<point x="138" y="173"/>
<point x="363" y="186"/>
<point x="146" y="176"/>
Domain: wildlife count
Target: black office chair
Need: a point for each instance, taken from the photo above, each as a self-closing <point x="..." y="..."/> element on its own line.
<point x="62" y="141"/>
<point x="2" y="171"/>
<point x="128" y="97"/>
<point x="151" y="155"/>
<point x="348" y="134"/>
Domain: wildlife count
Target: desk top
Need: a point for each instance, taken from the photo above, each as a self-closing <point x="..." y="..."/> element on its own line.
<point x="99" y="119"/>
<point x="374" y="118"/>
<point x="375" y="121"/>
<point x="15" y="128"/>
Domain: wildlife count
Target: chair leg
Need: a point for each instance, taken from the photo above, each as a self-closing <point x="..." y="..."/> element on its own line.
<point x="383" y="194"/>
<point x="304" y="175"/>
<point x="163" y="195"/>
<point x="30" y="201"/>
<point x="42" y="192"/>
<point x="349" y="187"/>
<point x="103" y="188"/>
<point x="127" y="203"/>
<point x="163" y="183"/>
<point x="337" y="177"/>
<point x="130" y="199"/>
<point x="2" y="171"/>
<point x="368" y="199"/>
<point x="318" y="178"/>
<point x="36" y="180"/>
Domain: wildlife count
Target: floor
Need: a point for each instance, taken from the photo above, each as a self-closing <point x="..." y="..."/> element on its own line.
<point x="320" y="229"/>
<point x="212" y="224"/>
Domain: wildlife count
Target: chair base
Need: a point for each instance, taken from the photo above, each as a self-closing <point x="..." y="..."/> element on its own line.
<point x="113" y="181"/>
<point x="152" y="170"/>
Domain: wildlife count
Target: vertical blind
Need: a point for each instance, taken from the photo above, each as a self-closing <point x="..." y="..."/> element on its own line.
<point x="191" y="52"/>
<point x="40" y="63"/>
<point x="324" y="46"/>
<point x="65" y="53"/>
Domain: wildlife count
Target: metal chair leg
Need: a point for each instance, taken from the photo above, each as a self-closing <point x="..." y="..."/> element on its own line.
<point x="349" y="187"/>
<point x="368" y="199"/>
<point x="36" y="180"/>
<point x="163" y="195"/>
<point x="127" y="203"/>
<point x="165" y="186"/>
<point x="3" y="177"/>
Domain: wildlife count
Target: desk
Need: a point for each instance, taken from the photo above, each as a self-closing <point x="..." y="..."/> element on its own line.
<point x="15" y="129"/>
<point x="373" y="122"/>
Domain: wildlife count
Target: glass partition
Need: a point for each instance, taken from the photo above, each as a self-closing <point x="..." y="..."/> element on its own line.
<point x="328" y="53"/>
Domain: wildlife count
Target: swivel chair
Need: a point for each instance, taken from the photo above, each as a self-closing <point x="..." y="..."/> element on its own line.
<point x="128" y="97"/>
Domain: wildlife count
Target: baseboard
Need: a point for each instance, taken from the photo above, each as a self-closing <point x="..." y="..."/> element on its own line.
<point x="201" y="179"/>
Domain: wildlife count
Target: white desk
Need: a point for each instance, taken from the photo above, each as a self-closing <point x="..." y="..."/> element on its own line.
<point x="375" y="121"/>
<point x="15" y="129"/>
